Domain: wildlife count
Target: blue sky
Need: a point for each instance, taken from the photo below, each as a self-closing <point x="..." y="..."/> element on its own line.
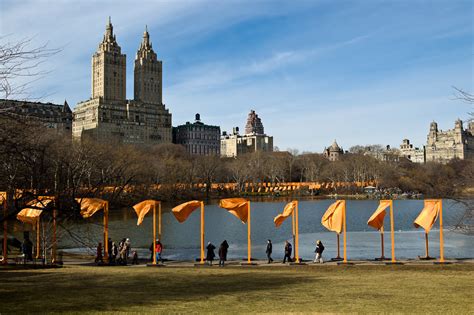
<point x="361" y="72"/>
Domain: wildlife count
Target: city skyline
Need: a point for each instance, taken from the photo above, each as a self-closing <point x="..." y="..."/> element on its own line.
<point x="391" y="70"/>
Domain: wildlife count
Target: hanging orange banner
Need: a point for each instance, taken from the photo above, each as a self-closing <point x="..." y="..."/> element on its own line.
<point x="333" y="218"/>
<point x="184" y="210"/>
<point x="428" y="215"/>
<point x="89" y="206"/>
<point x="376" y="220"/>
<point x="31" y="215"/>
<point x="289" y="208"/>
<point x="143" y="208"/>
<point x="237" y="206"/>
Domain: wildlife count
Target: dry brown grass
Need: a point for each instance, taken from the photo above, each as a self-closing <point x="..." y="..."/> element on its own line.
<point x="328" y="289"/>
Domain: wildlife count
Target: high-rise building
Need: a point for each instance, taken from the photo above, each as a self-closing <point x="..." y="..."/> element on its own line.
<point x="108" y="115"/>
<point x="198" y="138"/>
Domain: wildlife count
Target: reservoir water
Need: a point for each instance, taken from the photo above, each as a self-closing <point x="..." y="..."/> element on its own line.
<point x="181" y="240"/>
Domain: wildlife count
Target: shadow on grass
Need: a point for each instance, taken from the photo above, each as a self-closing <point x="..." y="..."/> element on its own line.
<point x="120" y="289"/>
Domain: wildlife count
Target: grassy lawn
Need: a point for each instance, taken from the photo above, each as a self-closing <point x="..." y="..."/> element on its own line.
<point x="328" y="289"/>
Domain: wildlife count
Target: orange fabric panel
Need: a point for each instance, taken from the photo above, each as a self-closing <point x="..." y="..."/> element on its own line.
<point x="289" y="208"/>
<point x="89" y="206"/>
<point x="376" y="220"/>
<point x="184" y="210"/>
<point x="428" y="215"/>
<point x="29" y="215"/>
<point x="237" y="206"/>
<point x="3" y="196"/>
<point x="333" y="217"/>
<point x="142" y="208"/>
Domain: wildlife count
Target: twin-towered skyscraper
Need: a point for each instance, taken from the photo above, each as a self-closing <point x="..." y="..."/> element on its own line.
<point x="108" y="115"/>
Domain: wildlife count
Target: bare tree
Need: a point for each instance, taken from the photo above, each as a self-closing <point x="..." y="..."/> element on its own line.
<point x="20" y="63"/>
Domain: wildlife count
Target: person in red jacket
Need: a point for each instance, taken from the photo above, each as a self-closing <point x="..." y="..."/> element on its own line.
<point x="158" y="250"/>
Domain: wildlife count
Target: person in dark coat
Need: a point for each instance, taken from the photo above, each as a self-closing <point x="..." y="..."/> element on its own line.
<point x="109" y="247"/>
<point x="99" y="259"/>
<point x="27" y="249"/>
<point x="319" y="252"/>
<point x="288" y="251"/>
<point x="152" y="251"/>
<point x="269" y="251"/>
<point x="210" y="253"/>
<point x="135" y="258"/>
<point x="223" y="253"/>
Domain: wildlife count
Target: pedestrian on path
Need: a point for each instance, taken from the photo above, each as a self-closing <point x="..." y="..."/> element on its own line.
<point x="288" y="250"/>
<point x="319" y="252"/>
<point x="98" y="258"/>
<point x="210" y="253"/>
<point x="223" y="253"/>
<point x="269" y="251"/>
<point x="158" y="251"/>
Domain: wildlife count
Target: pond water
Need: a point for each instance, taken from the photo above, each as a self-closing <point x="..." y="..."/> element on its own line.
<point x="182" y="240"/>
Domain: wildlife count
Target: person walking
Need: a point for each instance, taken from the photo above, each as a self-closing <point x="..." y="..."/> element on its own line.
<point x="114" y="253"/>
<point x="288" y="250"/>
<point x="27" y="249"/>
<point x="158" y="251"/>
<point x="98" y="258"/>
<point x="135" y="258"/>
<point x="223" y="252"/>
<point x="210" y="253"/>
<point x="269" y="251"/>
<point x="123" y="253"/>
<point x="128" y="248"/>
<point x="152" y="252"/>
<point x="319" y="252"/>
<point x="121" y="250"/>
<point x="109" y="247"/>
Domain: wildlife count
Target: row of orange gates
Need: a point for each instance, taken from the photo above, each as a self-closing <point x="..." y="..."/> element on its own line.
<point x="334" y="219"/>
<point x="260" y="187"/>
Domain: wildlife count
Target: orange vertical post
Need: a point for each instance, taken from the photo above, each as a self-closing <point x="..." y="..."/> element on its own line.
<point x="53" y="259"/>
<point x="426" y="246"/>
<point x="441" y="240"/>
<point x="293" y="230"/>
<point x="345" y="238"/>
<point x="106" y="231"/>
<point x="154" y="234"/>
<point x="297" y="235"/>
<point x="38" y="237"/>
<point x="249" y="242"/>
<point x="392" y="231"/>
<point x="202" y="232"/>
<point x="159" y="221"/>
<point x="382" y="257"/>
<point x="5" y="226"/>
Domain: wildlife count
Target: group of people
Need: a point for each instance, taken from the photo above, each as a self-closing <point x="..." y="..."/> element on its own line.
<point x="210" y="255"/>
<point x="289" y="249"/>
<point x="224" y="247"/>
<point x="118" y="255"/>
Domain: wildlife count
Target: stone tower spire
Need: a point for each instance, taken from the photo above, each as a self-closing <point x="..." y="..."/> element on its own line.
<point x="148" y="73"/>
<point x="109" y="68"/>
